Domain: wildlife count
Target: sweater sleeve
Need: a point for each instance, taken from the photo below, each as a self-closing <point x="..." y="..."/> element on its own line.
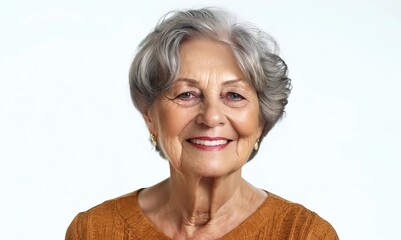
<point x="77" y="230"/>
<point x="323" y="231"/>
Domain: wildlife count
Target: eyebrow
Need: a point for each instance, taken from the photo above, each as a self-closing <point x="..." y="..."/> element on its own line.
<point x="195" y="82"/>
<point x="192" y="81"/>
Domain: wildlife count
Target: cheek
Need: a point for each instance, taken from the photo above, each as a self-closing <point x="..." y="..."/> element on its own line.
<point x="247" y="123"/>
<point x="172" y="122"/>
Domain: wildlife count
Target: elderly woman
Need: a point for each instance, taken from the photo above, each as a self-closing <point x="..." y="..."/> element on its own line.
<point x="209" y="90"/>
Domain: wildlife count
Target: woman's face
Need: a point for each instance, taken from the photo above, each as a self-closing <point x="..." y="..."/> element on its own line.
<point x="208" y="122"/>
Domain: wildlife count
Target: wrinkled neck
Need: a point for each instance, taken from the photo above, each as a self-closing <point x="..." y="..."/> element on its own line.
<point x="204" y="200"/>
<point x="185" y="206"/>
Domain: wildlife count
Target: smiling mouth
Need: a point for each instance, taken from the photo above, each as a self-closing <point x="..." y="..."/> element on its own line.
<point x="209" y="143"/>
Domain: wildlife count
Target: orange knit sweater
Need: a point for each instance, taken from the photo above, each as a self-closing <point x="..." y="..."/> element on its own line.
<point x="123" y="219"/>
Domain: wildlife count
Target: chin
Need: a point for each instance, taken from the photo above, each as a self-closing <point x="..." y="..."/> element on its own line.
<point x="212" y="168"/>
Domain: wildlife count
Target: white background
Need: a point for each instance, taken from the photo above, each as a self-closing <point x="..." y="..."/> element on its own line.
<point x="70" y="137"/>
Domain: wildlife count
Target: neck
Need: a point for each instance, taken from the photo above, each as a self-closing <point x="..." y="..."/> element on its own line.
<point x="203" y="200"/>
<point x="188" y="206"/>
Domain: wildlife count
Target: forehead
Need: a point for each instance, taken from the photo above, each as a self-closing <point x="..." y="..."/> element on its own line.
<point x="205" y="58"/>
<point x="206" y="45"/>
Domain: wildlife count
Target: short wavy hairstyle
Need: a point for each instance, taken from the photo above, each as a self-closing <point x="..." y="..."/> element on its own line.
<point x="156" y="63"/>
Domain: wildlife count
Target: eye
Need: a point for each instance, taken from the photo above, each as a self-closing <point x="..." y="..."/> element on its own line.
<point x="186" y="96"/>
<point x="234" y="99"/>
<point x="235" y="96"/>
<point x="187" y="99"/>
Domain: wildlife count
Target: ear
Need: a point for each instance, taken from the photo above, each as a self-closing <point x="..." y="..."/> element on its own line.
<point x="261" y="127"/>
<point x="149" y="115"/>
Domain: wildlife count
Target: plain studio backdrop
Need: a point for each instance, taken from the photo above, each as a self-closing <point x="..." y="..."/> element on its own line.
<point x="70" y="137"/>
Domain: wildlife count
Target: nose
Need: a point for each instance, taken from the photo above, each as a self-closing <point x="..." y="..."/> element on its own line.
<point x="211" y="114"/>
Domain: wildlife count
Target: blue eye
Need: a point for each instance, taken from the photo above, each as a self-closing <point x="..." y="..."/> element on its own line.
<point x="235" y="96"/>
<point x="185" y="95"/>
<point x="187" y="99"/>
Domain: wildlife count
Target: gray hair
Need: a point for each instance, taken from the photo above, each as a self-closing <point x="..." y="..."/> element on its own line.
<point x="156" y="64"/>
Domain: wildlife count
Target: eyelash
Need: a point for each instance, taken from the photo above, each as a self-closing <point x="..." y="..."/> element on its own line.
<point x="232" y="95"/>
<point x="181" y="96"/>
<point x="237" y="95"/>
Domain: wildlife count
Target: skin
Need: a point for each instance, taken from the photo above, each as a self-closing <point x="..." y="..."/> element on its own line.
<point x="205" y="196"/>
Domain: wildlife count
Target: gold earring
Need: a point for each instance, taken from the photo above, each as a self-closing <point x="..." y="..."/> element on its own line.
<point x="153" y="140"/>
<point x="256" y="146"/>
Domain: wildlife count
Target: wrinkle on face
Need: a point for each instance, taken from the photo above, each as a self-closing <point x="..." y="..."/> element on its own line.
<point x="210" y="71"/>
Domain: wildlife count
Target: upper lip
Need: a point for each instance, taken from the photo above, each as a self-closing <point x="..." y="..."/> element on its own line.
<point x="209" y="138"/>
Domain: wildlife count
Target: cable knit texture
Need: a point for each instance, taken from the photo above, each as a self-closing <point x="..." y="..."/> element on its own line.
<point x="123" y="219"/>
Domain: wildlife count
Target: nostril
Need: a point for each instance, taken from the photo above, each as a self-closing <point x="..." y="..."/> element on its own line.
<point x="211" y="116"/>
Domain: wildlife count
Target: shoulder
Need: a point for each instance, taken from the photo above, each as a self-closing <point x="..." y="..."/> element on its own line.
<point x="293" y="219"/>
<point x="100" y="220"/>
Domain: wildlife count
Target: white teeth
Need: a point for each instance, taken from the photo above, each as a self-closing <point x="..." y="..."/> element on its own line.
<point x="208" y="143"/>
